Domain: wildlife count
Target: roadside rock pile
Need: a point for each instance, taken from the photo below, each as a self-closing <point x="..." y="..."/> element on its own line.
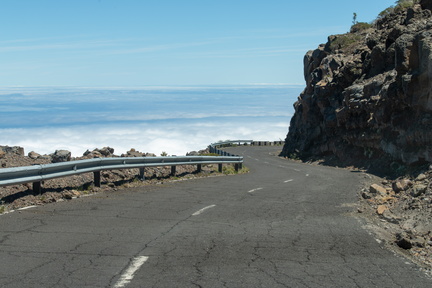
<point x="17" y="196"/>
<point x="404" y="209"/>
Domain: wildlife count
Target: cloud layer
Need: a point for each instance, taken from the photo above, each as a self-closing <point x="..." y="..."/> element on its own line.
<point x="175" y="120"/>
<point x="175" y="138"/>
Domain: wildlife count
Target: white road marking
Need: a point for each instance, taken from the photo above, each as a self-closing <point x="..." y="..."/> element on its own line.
<point x="307" y="175"/>
<point x="28" y="207"/>
<point x="297" y="170"/>
<point x="202" y="210"/>
<point x="288" y="180"/>
<point x="128" y="275"/>
<point x="266" y="163"/>
<point x="253" y="190"/>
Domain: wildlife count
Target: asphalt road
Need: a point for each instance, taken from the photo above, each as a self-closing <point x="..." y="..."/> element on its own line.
<point x="284" y="224"/>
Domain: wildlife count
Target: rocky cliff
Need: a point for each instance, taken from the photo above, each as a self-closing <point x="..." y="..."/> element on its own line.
<point x="368" y="93"/>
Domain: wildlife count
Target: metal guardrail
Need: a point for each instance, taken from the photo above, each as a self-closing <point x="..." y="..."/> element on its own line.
<point x="213" y="147"/>
<point x="39" y="173"/>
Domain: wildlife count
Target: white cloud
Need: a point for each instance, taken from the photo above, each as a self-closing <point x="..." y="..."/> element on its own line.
<point x="173" y="138"/>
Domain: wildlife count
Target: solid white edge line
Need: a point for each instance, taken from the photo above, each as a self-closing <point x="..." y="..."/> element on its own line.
<point x="128" y="275"/>
<point x="202" y="210"/>
<point x="27" y="207"/>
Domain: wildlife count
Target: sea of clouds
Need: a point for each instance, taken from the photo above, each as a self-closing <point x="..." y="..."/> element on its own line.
<point x="175" y="120"/>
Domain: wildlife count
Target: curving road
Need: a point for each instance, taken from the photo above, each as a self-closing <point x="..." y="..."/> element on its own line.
<point x="284" y="224"/>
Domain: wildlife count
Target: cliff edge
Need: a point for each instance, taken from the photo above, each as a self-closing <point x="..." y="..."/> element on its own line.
<point x="368" y="93"/>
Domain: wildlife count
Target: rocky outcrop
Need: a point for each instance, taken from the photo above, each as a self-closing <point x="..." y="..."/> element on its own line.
<point x="11" y="150"/>
<point x="368" y="93"/>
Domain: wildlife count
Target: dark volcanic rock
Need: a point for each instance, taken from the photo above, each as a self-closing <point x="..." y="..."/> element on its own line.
<point x="61" y="156"/>
<point x="368" y="93"/>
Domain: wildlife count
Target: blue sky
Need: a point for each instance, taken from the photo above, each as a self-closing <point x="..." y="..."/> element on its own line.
<point x="166" y="42"/>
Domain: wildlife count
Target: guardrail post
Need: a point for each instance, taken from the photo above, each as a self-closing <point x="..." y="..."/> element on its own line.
<point x="37" y="188"/>
<point x="199" y="168"/>
<point x="97" y="178"/>
<point x="220" y="167"/>
<point x="236" y="167"/>
<point x="173" y="170"/>
<point x="141" y="174"/>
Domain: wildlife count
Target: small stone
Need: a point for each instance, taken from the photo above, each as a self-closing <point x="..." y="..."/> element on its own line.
<point x="418" y="189"/>
<point x="365" y="195"/>
<point x="401" y="185"/>
<point x="377" y="189"/>
<point x="381" y="209"/>
<point x="403" y="241"/>
<point x="421" y="177"/>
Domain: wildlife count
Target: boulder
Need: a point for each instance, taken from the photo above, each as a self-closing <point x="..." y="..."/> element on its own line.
<point x="105" y="151"/>
<point x="133" y="153"/>
<point x="61" y="156"/>
<point x="13" y="150"/>
<point x="33" y="155"/>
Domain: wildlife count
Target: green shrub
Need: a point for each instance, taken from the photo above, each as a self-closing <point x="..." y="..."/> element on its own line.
<point x="229" y="169"/>
<point x="386" y="12"/>
<point x="401" y="5"/>
<point x="360" y="26"/>
<point x="344" y="41"/>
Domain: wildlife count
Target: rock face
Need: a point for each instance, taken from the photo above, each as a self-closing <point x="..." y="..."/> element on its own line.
<point x="369" y="92"/>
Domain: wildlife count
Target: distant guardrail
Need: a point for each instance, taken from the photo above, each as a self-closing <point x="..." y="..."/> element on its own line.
<point x="213" y="147"/>
<point x="37" y="173"/>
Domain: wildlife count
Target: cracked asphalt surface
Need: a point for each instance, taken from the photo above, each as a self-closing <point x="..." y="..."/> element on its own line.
<point x="284" y="224"/>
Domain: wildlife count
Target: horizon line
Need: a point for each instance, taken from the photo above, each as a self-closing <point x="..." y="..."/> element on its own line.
<point x="149" y="85"/>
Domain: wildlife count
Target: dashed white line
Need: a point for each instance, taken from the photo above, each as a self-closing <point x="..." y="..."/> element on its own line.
<point x="202" y="210"/>
<point x="253" y="190"/>
<point x="307" y="175"/>
<point x="290" y="180"/>
<point x="128" y="275"/>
